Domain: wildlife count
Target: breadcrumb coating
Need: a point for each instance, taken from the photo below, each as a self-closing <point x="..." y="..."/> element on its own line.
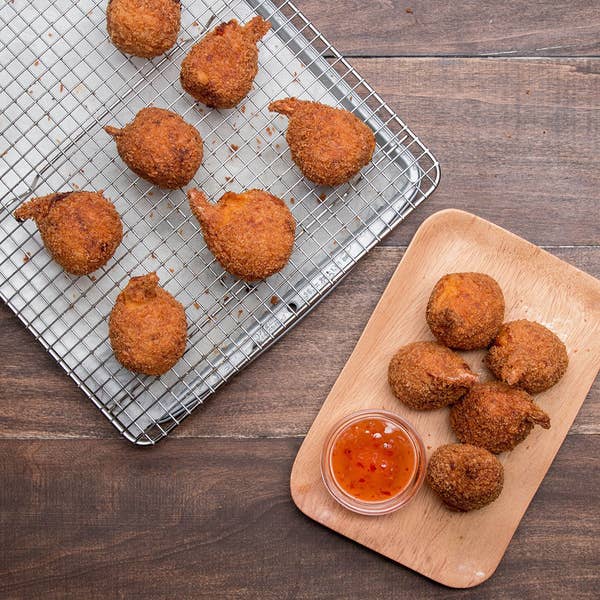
<point x="465" y="477"/>
<point x="527" y="355"/>
<point x="329" y="145"/>
<point x="427" y="375"/>
<point x="159" y="146"/>
<point x="465" y="310"/>
<point x="81" y="230"/>
<point x="496" y="417"/>
<point x="145" y="28"/>
<point x="219" y="70"/>
<point x="251" y="234"/>
<point x="147" y="327"/>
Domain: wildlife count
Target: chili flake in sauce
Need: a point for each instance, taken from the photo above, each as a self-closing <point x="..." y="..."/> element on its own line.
<point x="373" y="460"/>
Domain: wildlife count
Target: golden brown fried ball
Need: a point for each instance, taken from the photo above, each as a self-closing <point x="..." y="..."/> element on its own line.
<point x="147" y="327"/>
<point x="81" y="230"/>
<point x="251" y="234"/>
<point x="426" y="375"/>
<point x="496" y="417"/>
<point x="219" y="70"/>
<point x="329" y="145"/>
<point x="465" y="310"/>
<point x="465" y="477"/>
<point x="145" y="28"/>
<point x="159" y="146"/>
<point x="527" y="355"/>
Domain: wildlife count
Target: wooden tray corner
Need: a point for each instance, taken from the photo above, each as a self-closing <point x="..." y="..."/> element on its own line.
<point x="458" y="550"/>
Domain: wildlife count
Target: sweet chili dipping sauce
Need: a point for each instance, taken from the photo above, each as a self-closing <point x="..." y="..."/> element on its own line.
<point x="373" y="462"/>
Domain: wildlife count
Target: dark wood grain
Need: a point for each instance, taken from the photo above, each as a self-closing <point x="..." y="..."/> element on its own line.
<point x="83" y="514"/>
<point x="280" y="394"/>
<point x="517" y="140"/>
<point x="214" y="519"/>
<point x="433" y="28"/>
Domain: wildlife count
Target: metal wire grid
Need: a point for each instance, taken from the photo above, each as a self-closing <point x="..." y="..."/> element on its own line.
<point x="64" y="78"/>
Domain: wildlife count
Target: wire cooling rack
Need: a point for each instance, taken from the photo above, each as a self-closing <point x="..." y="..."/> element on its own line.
<point x="63" y="81"/>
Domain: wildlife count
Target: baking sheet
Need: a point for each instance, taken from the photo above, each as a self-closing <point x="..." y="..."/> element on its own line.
<point x="63" y="81"/>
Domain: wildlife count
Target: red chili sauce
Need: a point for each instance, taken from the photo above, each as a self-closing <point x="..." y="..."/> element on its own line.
<point x="373" y="460"/>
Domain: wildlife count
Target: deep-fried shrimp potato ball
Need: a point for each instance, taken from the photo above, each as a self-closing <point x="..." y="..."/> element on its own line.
<point x="159" y="146"/>
<point x="465" y="477"/>
<point x="527" y="355"/>
<point x="145" y="28"/>
<point x="465" y="310"/>
<point x="496" y="417"/>
<point x="147" y="327"/>
<point x="329" y="145"/>
<point x="219" y="70"/>
<point x="251" y="234"/>
<point x="81" y="230"/>
<point x="427" y="375"/>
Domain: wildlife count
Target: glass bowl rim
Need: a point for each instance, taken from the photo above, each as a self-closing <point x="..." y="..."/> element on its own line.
<point x="379" y="507"/>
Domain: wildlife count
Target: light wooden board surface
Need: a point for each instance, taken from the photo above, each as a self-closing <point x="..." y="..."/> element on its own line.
<point x="208" y="514"/>
<point x="458" y="550"/>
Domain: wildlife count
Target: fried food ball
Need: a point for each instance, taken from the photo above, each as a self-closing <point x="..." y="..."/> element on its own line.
<point x="145" y="28"/>
<point x="496" y="417"/>
<point x="81" y="230"/>
<point x="427" y="375"/>
<point x="251" y="234"/>
<point x="527" y="355"/>
<point x="159" y="146"/>
<point x="465" y="310"/>
<point x="147" y="327"/>
<point x="219" y="70"/>
<point x="465" y="477"/>
<point x="329" y="145"/>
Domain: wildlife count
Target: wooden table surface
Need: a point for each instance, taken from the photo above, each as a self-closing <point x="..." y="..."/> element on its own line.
<point x="507" y="95"/>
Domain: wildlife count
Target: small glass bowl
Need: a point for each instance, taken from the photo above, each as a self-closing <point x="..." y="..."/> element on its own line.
<point x="381" y="507"/>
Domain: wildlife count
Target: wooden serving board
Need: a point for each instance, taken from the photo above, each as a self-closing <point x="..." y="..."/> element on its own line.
<point x="457" y="549"/>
